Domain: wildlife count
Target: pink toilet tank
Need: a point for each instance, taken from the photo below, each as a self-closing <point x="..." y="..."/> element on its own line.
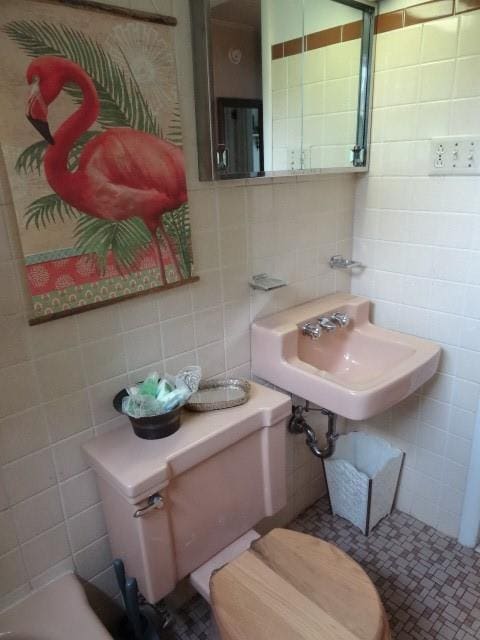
<point x="172" y="504"/>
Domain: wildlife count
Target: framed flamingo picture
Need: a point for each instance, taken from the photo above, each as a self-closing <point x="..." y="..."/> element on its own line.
<point x="91" y="136"/>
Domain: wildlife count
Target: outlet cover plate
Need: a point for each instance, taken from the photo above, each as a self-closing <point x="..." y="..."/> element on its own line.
<point x="455" y="155"/>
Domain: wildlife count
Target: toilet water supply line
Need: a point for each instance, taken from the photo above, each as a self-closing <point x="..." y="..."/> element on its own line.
<point x="298" y="424"/>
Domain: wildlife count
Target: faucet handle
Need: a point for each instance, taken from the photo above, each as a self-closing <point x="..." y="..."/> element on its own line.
<point x="327" y="323"/>
<point x="312" y="330"/>
<point x="341" y="319"/>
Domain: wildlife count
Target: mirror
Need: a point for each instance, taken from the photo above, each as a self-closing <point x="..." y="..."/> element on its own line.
<point x="240" y="135"/>
<point x="281" y="85"/>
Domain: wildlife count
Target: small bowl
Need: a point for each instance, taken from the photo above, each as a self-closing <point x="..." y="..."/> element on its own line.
<point x="151" y="427"/>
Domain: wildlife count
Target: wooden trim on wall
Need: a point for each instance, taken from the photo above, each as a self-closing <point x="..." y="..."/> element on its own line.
<point x="352" y="30"/>
<point x="461" y="6"/>
<point x="415" y="14"/>
<point x="389" y="21"/>
<point x="323" y="38"/>
<point x="277" y="51"/>
<point x="292" y="47"/>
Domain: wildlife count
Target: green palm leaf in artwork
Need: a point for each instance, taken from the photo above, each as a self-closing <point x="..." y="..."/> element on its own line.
<point x="125" y="238"/>
<point x="174" y="131"/>
<point x="122" y="104"/>
<point x="48" y="209"/>
<point x="121" y="101"/>
<point x="177" y="225"/>
<point x="31" y="158"/>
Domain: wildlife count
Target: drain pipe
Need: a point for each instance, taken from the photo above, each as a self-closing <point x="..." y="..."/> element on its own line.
<point x="299" y="425"/>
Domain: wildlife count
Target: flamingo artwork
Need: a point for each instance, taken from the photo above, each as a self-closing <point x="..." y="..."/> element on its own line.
<point x="121" y="173"/>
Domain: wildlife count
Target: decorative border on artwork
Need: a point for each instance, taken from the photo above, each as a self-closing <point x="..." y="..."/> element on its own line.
<point x="56" y="304"/>
<point x="415" y="14"/>
<point x="58" y="254"/>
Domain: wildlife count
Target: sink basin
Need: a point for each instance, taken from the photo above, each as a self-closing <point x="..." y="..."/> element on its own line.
<point x="356" y="371"/>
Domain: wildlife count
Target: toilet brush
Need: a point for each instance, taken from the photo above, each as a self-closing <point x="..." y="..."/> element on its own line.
<point x="144" y="620"/>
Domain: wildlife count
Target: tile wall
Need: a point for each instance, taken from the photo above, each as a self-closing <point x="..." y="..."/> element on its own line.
<point x="314" y="99"/>
<point x="57" y="380"/>
<point x="420" y="237"/>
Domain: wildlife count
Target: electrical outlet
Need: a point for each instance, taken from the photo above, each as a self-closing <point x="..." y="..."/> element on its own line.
<point x="439" y="156"/>
<point x="294" y="158"/>
<point x="455" y="156"/>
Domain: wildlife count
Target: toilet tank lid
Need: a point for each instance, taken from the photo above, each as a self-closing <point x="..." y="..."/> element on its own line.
<point x="137" y="468"/>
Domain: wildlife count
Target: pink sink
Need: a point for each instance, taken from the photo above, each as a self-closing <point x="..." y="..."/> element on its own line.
<point x="356" y="371"/>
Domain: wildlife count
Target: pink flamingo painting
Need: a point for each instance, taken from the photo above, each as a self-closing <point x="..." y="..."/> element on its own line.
<point x="121" y="173"/>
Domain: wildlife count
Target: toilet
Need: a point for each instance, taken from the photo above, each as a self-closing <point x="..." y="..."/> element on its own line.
<point x="186" y="506"/>
<point x="292" y="585"/>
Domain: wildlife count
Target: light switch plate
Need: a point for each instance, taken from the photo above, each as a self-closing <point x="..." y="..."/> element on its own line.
<point x="455" y="156"/>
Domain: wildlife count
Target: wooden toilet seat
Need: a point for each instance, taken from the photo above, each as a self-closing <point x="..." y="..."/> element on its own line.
<point x="292" y="586"/>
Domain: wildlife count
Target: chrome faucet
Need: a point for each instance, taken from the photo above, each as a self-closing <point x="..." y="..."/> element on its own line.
<point x="340" y="319"/>
<point x="312" y="330"/>
<point x="327" y="324"/>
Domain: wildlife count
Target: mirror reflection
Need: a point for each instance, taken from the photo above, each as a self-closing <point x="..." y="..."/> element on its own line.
<point x="310" y="91"/>
<point x="240" y="135"/>
<point x="286" y="85"/>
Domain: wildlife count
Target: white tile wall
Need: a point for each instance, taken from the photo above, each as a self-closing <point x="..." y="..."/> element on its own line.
<point x="314" y="97"/>
<point x="419" y="237"/>
<point x="57" y="380"/>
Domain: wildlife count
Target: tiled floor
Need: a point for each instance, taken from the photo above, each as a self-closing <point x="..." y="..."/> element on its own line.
<point x="429" y="584"/>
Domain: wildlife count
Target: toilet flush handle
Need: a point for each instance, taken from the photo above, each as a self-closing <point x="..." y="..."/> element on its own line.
<point x="154" y="502"/>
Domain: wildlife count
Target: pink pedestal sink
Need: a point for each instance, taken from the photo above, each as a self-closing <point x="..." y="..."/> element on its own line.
<point x="356" y="371"/>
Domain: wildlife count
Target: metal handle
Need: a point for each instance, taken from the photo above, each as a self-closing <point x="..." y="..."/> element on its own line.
<point x="154" y="502"/>
<point x="327" y="324"/>
<point x="342" y="319"/>
<point x="222" y="158"/>
<point x="312" y="329"/>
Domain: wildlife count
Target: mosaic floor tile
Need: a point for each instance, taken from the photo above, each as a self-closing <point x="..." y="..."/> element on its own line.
<point x="429" y="584"/>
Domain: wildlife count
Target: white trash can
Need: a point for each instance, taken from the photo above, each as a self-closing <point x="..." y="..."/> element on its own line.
<point x="362" y="478"/>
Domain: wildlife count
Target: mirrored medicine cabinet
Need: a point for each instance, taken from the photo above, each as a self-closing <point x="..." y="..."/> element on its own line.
<point x="281" y="86"/>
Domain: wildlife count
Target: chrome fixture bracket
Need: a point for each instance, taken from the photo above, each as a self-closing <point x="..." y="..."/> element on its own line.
<point x="264" y="282"/>
<point x="339" y="262"/>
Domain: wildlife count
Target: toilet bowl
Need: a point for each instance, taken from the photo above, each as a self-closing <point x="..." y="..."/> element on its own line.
<point x="291" y="585"/>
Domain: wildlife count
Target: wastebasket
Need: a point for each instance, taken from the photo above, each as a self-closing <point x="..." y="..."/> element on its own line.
<point x="362" y="478"/>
